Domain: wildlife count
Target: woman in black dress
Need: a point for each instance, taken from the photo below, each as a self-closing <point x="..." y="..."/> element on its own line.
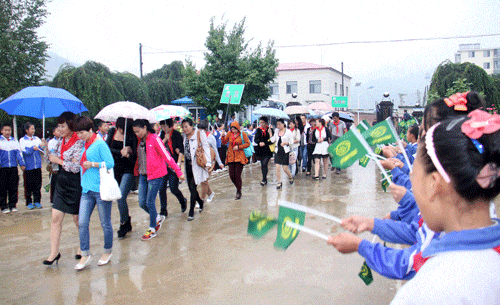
<point x="262" y="151"/>
<point x="68" y="189"/>
<point x="283" y="139"/>
<point x="124" y="157"/>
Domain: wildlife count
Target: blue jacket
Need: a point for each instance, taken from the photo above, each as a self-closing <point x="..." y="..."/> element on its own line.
<point x="400" y="178"/>
<point x="10" y="153"/>
<point x="411" y="150"/>
<point x="32" y="157"/>
<point x="97" y="152"/>
<point x="397" y="263"/>
<point x="407" y="208"/>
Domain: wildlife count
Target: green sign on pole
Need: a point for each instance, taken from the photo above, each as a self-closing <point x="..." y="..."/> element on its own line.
<point x="231" y="94"/>
<point x="339" y="101"/>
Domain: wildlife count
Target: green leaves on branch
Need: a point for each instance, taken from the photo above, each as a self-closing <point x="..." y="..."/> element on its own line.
<point x="450" y="78"/>
<point x="229" y="60"/>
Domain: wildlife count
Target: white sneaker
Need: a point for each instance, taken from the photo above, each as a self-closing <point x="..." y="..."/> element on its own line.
<point x="14" y="210"/>
<point x="6" y="211"/>
<point x="211" y="197"/>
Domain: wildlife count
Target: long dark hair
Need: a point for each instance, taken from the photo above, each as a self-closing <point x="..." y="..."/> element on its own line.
<point x="463" y="158"/>
<point x="143" y="123"/>
<point x="438" y="110"/>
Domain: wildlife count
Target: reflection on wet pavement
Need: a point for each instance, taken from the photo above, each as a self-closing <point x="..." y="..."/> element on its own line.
<point x="210" y="260"/>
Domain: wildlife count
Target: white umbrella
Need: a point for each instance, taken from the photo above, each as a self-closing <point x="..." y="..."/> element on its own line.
<point x="291" y="110"/>
<point x="127" y="110"/>
<point x="272" y="112"/>
<point x="321" y="106"/>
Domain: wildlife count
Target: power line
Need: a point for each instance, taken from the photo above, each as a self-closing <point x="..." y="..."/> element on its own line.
<point x="159" y="51"/>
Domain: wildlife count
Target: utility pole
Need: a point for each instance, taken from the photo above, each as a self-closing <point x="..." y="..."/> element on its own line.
<point x="342" y="72"/>
<point x="140" y="58"/>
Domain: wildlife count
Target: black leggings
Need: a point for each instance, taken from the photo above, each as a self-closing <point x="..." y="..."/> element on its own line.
<point x="195" y="197"/>
<point x="310" y="149"/>
<point x="173" y="184"/>
<point x="264" y="162"/>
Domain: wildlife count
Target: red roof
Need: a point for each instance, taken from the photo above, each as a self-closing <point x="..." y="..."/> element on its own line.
<point x="304" y="66"/>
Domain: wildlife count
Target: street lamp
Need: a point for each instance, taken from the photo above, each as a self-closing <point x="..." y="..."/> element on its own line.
<point x="357" y="85"/>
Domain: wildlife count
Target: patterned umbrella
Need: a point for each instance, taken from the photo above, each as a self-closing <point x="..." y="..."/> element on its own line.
<point x="164" y="112"/>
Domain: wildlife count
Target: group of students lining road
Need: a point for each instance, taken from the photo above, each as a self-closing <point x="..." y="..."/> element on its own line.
<point x="446" y="213"/>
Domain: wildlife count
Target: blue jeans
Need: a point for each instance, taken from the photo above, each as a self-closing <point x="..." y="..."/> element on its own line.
<point x="87" y="203"/>
<point x="148" y="190"/>
<point x="126" y="183"/>
<point x="293" y="167"/>
<point x="303" y="151"/>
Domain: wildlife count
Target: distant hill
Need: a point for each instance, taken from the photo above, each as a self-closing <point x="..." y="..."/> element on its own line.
<point x="53" y="64"/>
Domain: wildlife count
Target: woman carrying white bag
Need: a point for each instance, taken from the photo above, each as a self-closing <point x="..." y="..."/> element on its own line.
<point x="94" y="153"/>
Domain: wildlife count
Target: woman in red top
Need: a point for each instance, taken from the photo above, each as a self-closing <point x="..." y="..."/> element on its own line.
<point x="68" y="189"/>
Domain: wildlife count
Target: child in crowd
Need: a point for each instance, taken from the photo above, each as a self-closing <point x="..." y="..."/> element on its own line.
<point x="10" y="157"/>
<point x="53" y="146"/>
<point x="31" y="147"/>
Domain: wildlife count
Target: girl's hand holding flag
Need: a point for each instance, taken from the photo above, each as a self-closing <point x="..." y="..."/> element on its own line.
<point x="357" y="224"/>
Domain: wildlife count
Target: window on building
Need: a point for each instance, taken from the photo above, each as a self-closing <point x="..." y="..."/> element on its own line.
<point x="486" y="65"/>
<point x="335" y="89"/>
<point x="472" y="54"/>
<point x="315" y="86"/>
<point x="496" y="52"/>
<point x="273" y="89"/>
<point x="458" y="58"/>
<point x="496" y="64"/>
<point x="486" y="53"/>
<point x="346" y="91"/>
<point x="291" y="87"/>
<point x="341" y="90"/>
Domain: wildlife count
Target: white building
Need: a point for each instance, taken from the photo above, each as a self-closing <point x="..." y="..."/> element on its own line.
<point x="488" y="59"/>
<point x="311" y="82"/>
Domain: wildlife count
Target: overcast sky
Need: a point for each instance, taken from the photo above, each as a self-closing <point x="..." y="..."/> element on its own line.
<point x="110" y="32"/>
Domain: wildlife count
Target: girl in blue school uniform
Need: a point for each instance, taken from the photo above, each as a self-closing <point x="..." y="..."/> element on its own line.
<point x="31" y="148"/>
<point x="455" y="177"/>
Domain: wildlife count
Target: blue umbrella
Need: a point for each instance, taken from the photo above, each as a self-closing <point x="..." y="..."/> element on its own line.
<point x="272" y="112"/>
<point x="42" y="102"/>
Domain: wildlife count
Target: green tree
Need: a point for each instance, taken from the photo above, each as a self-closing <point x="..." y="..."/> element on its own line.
<point x="165" y="84"/>
<point x="22" y="53"/>
<point x="450" y="78"/>
<point x="93" y="83"/>
<point x="229" y="60"/>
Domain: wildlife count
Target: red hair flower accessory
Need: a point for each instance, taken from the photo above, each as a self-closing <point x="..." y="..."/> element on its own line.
<point x="480" y="122"/>
<point x="458" y="100"/>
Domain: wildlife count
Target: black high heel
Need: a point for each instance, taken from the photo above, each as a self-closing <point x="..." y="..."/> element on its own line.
<point x="279" y="185"/>
<point x="48" y="263"/>
<point x="78" y="256"/>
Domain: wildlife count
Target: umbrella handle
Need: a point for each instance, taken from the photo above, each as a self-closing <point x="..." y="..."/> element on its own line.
<point x="124" y="133"/>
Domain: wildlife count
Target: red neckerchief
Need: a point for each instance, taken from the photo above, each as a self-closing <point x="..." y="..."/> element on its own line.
<point x="65" y="146"/>
<point x="233" y="138"/>
<point x="320" y="129"/>
<point x="87" y="145"/>
<point x="337" y="124"/>
<point x="169" y="142"/>
<point x="264" y="130"/>
<point x="292" y="129"/>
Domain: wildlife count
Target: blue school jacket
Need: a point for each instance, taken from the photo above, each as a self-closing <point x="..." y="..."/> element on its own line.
<point x="32" y="157"/>
<point x="10" y="153"/>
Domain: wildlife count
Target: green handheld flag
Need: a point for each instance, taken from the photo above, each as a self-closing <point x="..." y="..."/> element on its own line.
<point x="386" y="183"/>
<point x="380" y="134"/>
<point x="47" y="188"/>
<point x="346" y="150"/>
<point x="286" y="234"/>
<point x="366" y="274"/>
<point x="259" y="224"/>
<point x="363" y="126"/>
<point x="364" y="161"/>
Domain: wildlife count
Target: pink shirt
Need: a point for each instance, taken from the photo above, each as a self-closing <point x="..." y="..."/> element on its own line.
<point x="157" y="159"/>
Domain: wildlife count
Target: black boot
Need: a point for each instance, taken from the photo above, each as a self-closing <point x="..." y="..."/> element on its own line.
<point x="184" y="205"/>
<point x="125" y="228"/>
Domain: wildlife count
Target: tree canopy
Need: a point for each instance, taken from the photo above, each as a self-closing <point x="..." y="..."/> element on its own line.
<point x="97" y="86"/>
<point x="450" y="78"/>
<point x="229" y="60"/>
<point x="22" y="53"/>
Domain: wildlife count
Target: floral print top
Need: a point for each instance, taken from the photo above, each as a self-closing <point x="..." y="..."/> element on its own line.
<point x="72" y="156"/>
